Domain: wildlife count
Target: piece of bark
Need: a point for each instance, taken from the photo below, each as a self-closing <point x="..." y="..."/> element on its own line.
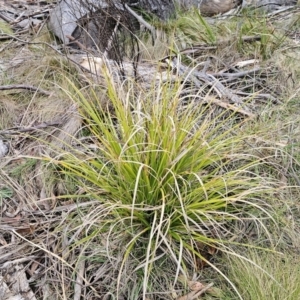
<point x="63" y="18"/>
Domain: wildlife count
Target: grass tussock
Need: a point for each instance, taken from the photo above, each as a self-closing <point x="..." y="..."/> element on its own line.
<point x="173" y="182"/>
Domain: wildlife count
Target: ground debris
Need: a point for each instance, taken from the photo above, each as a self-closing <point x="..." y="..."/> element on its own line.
<point x="25" y="15"/>
<point x="14" y="285"/>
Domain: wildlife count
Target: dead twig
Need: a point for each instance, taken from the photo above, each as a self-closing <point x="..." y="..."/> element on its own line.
<point x="259" y="95"/>
<point x="65" y="208"/>
<point x="229" y="106"/>
<point x="214" y="46"/>
<point x="238" y="74"/>
<point x="74" y="41"/>
<point x="17" y="130"/>
<point x="24" y="87"/>
<point x="195" y="294"/>
<point x="9" y="264"/>
<point x="142" y="21"/>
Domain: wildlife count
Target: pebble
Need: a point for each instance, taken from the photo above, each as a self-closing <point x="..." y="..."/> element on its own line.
<point x="3" y="149"/>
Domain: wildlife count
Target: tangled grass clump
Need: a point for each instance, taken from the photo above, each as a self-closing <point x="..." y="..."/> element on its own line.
<point x="172" y="181"/>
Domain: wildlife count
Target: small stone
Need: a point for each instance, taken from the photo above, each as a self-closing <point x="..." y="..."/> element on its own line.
<point x="3" y="149"/>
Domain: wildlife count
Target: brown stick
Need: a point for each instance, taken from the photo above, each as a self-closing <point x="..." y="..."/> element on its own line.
<point x="16" y="130"/>
<point x="214" y="46"/>
<point x="237" y="75"/>
<point x="229" y="106"/>
<point x="73" y="40"/>
<point x="24" y="87"/>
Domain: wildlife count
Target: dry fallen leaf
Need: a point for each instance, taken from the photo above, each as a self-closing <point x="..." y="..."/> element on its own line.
<point x="189" y="296"/>
<point x="197" y="290"/>
<point x="195" y="285"/>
